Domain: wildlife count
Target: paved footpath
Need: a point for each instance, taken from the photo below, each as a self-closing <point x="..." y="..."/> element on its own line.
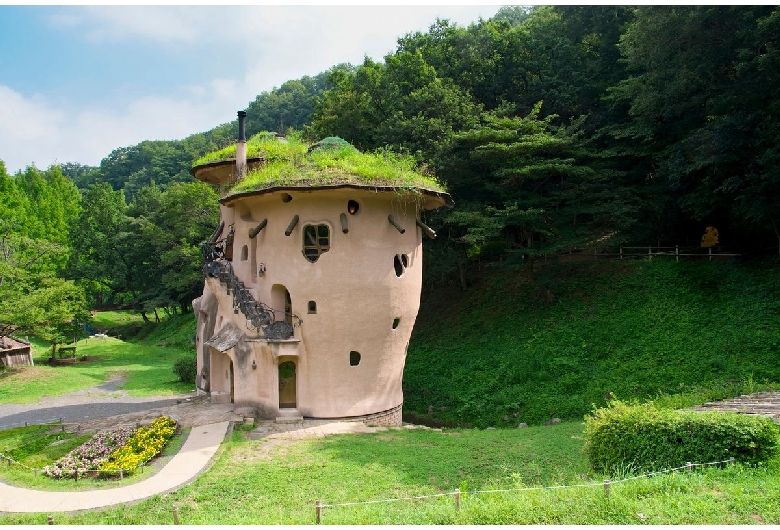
<point x="195" y="455"/>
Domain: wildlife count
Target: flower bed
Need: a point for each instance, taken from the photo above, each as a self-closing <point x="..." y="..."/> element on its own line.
<point x="145" y="444"/>
<point x="91" y="454"/>
<point x="122" y="448"/>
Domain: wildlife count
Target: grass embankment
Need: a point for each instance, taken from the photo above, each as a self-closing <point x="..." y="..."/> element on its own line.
<point x="507" y="351"/>
<point x="147" y="364"/>
<point x="261" y="482"/>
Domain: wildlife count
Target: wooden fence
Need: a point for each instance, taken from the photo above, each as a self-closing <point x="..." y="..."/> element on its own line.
<point x="649" y="252"/>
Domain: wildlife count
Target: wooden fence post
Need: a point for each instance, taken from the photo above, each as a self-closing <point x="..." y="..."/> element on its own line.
<point x="688" y="467"/>
<point x="606" y="488"/>
<point x="457" y="499"/>
<point x="176" y="515"/>
<point x="318" y="511"/>
<point x="121" y="474"/>
<point x="51" y="520"/>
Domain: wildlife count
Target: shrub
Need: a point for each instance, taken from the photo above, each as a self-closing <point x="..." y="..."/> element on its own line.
<point x="646" y="438"/>
<point x="145" y="444"/>
<point x="186" y="368"/>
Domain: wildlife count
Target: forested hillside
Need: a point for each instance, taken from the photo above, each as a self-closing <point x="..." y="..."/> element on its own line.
<point x="553" y="128"/>
<point x="512" y="349"/>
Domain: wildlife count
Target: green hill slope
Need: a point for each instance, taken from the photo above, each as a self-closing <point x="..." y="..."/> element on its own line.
<point x="511" y="350"/>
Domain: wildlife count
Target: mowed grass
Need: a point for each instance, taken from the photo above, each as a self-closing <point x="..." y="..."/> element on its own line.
<point x="146" y="363"/>
<point x="278" y="482"/>
<point x="148" y="370"/>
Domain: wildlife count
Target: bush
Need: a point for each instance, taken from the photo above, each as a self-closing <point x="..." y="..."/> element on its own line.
<point x="646" y="438"/>
<point x="186" y="368"/>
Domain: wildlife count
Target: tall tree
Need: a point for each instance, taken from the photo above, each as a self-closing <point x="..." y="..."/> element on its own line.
<point x="703" y="107"/>
<point x="533" y="186"/>
<point x="98" y="261"/>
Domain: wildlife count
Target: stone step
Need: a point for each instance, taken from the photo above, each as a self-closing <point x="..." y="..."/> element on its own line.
<point x="289" y="419"/>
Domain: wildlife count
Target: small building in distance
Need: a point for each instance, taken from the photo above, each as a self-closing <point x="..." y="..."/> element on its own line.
<point x="312" y="279"/>
<point x="13" y="352"/>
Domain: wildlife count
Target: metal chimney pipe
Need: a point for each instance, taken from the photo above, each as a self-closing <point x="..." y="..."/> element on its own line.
<point x="241" y="146"/>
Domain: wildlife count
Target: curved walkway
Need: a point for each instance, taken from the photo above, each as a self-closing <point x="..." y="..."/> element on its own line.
<point x="194" y="456"/>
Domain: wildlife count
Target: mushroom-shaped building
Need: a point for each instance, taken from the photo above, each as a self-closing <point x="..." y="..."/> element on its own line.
<point x="312" y="279"/>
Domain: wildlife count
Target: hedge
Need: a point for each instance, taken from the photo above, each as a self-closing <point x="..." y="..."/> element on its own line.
<point x="646" y="438"/>
<point x="186" y="368"/>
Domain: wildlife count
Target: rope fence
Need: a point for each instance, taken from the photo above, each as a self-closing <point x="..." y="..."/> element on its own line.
<point x="80" y="472"/>
<point x="606" y="484"/>
<point x="50" y="421"/>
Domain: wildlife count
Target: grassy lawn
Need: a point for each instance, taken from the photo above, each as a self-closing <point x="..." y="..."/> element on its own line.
<point x="262" y="482"/>
<point x="145" y="361"/>
<point x="148" y="370"/>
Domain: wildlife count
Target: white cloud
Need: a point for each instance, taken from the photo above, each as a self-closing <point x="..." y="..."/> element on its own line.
<point x="267" y="44"/>
<point x="36" y="131"/>
<point x="163" y="24"/>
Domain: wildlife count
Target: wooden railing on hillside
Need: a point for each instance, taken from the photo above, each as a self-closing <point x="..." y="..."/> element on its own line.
<point x="648" y="252"/>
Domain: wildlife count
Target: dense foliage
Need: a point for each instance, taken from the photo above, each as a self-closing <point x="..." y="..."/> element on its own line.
<point x="645" y="438"/>
<point x="553" y="128"/>
<point x="513" y="350"/>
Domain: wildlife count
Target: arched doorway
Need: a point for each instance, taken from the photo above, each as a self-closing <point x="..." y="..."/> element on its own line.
<point x="287" y="380"/>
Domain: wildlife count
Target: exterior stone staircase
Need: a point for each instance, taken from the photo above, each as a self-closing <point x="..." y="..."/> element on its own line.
<point x="761" y="404"/>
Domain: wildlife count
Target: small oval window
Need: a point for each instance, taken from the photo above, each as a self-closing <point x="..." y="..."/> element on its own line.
<point x="354" y="358"/>
<point x="399" y="268"/>
<point x="353" y="207"/>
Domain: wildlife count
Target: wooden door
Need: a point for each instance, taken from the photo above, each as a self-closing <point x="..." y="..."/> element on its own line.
<point x="287" y="378"/>
<point x="232" y="388"/>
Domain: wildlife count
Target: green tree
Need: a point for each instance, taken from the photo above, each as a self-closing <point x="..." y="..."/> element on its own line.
<point x="98" y="261"/>
<point x="532" y="187"/>
<point x="702" y="110"/>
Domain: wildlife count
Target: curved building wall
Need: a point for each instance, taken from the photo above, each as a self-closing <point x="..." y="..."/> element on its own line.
<point x="358" y="300"/>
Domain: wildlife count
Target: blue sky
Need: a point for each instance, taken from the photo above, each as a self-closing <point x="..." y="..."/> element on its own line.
<point x="77" y="82"/>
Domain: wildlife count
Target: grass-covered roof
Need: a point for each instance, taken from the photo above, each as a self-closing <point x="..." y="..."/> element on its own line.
<point x="292" y="162"/>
